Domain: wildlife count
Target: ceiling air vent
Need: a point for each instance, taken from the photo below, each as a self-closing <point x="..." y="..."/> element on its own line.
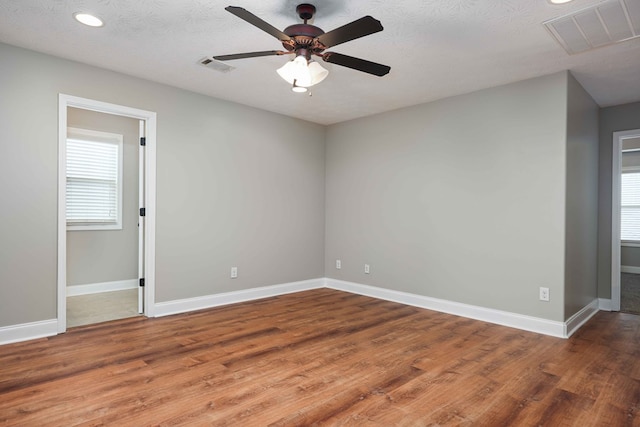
<point x="609" y="22"/>
<point x="216" y="65"/>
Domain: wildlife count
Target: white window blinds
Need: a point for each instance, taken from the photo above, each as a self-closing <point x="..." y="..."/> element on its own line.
<point x="93" y="180"/>
<point x="630" y="206"/>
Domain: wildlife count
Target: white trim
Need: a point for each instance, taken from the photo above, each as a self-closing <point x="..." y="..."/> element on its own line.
<point x="616" y="166"/>
<point x="149" y="117"/>
<point x="604" y="304"/>
<point x="574" y="323"/>
<point x="629" y="269"/>
<point x="28" y="331"/>
<point x="141" y="225"/>
<point x="616" y="170"/>
<point x="97" y="288"/>
<point x="216" y="300"/>
<point x="150" y="217"/>
<point x="505" y="318"/>
<point x="63" y="102"/>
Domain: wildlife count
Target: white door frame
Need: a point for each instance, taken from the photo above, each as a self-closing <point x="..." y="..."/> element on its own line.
<point x="142" y="126"/>
<point x="149" y="118"/>
<point x="616" y="168"/>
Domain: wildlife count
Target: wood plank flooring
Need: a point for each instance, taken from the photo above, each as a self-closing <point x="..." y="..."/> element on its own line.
<point x="323" y="357"/>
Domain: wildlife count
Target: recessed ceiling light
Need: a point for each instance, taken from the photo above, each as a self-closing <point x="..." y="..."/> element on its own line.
<point x="88" y="19"/>
<point x="559" y="1"/>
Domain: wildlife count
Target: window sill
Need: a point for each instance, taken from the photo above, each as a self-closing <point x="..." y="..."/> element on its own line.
<point x="630" y="244"/>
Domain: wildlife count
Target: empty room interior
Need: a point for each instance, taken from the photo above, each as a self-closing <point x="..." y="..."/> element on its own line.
<point x="338" y="213"/>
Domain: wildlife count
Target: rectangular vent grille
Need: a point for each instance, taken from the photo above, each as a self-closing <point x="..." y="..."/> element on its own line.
<point x="216" y="65"/>
<point x="604" y="24"/>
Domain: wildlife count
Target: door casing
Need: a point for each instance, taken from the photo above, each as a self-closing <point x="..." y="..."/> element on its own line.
<point x="616" y="170"/>
<point x="149" y="119"/>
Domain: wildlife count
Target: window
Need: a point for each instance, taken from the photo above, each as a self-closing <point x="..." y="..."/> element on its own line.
<point x="630" y="205"/>
<point x="94" y="180"/>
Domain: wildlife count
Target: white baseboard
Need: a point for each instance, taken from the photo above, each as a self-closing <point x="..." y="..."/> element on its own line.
<point x="209" y="301"/>
<point x="629" y="269"/>
<point x="96" y="288"/>
<point x="605" y="304"/>
<point x="28" y="331"/>
<point x="47" y="328"/>
<point x="505" y="318"/>
<point x="574" y="323"/>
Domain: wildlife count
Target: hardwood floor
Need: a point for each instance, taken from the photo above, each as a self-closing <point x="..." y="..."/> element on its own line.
<point x="323" y="357"/>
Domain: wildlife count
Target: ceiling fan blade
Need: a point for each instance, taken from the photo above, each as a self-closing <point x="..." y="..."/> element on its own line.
<point x="353" y="30"/>
<point x="356" y="63"/>
<point x="254" y="20"/>
<point x="249" y="55"/>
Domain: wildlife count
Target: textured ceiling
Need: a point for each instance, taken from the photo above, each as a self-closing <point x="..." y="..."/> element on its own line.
<point x="436" y="49"/>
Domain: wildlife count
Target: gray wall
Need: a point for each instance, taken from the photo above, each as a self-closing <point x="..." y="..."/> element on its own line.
<point x="581" y="253"/>
<point x="631" y="144"/>
<point x="108" y="255"/>
<point x="612" y="119"/>
<point x="632" y="158"/>
<point x="461" y="199"/>
<point x="236" y="186"/>
<point x="28" y="190"/>
<point x="630" y="256"/>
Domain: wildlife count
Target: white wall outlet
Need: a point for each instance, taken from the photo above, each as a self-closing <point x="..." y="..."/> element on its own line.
<point x="234" y="272"/>
<point x="544" y="294"/>
<point x="367" y="269"/>
<point x="338" y="264"/>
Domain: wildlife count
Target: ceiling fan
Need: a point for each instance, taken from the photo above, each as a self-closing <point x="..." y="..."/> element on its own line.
<point x="305" y="40"/>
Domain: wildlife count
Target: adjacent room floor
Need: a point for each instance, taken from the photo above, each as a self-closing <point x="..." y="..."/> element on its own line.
<point x="101" y="307"/>
<point x="630" y="293"/>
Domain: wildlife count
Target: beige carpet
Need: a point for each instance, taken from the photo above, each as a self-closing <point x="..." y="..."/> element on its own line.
<point x="96" y="308"/>
<point x="630" y="293"/>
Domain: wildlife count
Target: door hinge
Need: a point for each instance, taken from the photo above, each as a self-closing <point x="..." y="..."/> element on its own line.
<point x="143" y="141"/>
<point x="142" y="282"/>
<point x="143" y="212"/>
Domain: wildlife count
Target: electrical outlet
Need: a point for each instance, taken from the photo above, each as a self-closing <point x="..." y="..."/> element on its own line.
<point x="544" y="294"/>
<point x="338" y="264"/>
<point x="234" y="272"/>
<point x="367" y="269"/>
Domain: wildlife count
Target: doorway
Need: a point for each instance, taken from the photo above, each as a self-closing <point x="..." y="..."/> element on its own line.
<point x="141" y="286"/>
<point x="625" y="220"/>
<point x="102" y="216"/>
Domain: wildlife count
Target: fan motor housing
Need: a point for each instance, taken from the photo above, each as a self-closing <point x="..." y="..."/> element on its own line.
<point x="303" y="30"/>
<point x="303" y="36"/>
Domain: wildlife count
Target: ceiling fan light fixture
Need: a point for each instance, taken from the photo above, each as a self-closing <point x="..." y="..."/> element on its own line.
<point x="302" y="73"/>
<point x="318" y="72"/>
<point x="305" y="40"/>
<point x="298" y="89"/>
